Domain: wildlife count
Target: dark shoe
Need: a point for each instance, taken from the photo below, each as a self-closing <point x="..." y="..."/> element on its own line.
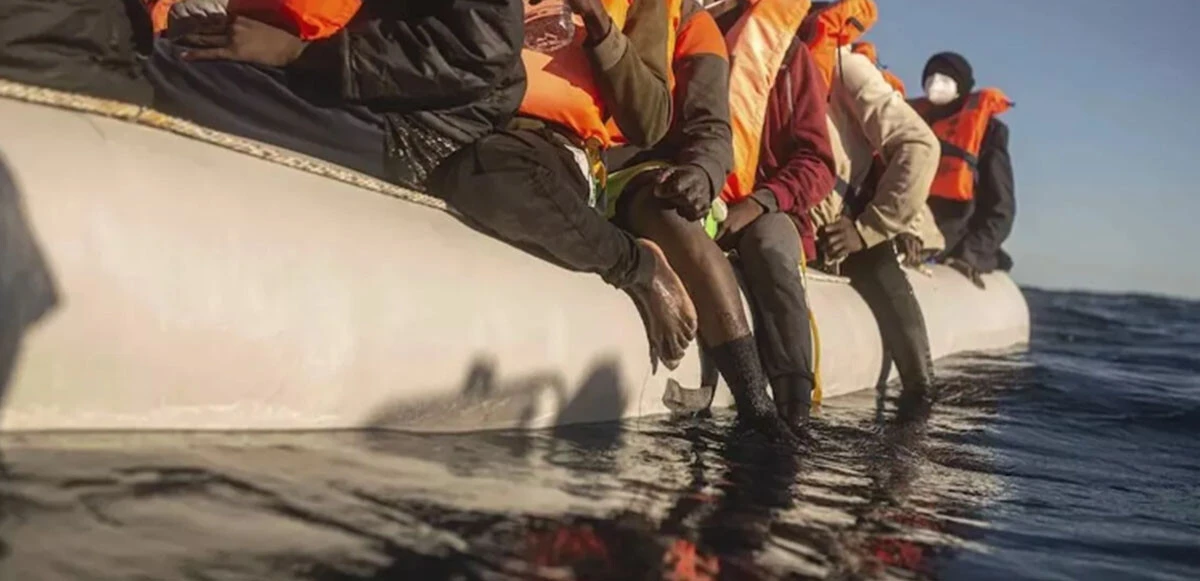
<point x="793" y="398"/>
<point x="914" y="404"/>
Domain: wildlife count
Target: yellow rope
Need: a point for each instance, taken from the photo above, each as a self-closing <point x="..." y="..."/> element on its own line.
<point x="816" y="333"/>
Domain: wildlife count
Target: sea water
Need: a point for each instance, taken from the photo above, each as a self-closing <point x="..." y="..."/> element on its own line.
<point x="1077" y="460"/>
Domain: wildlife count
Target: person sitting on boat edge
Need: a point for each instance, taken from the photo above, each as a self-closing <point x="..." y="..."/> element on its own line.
<point x="923" y="240"/>
<point x="538" y="184"/>
<point x="386" y="88"/>
<point x="972" y="196"/>
<point x="665" y="194"/>
<point x="96" y="48"/>
<point x="871" y="123"/>
<point x="783" y="167"/>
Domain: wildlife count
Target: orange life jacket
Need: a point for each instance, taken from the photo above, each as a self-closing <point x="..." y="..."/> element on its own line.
<point x="839" y="25"/>
<point x="758" y="43"/>
<point x="868" y="50"/>
<point x="310" y="19"/>
<point x="562" y="89"/>
<point x="961" y="135"/>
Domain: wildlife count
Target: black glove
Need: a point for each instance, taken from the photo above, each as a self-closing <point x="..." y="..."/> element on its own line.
<point x="968" y="270"/>
<point x="687" y="189"/>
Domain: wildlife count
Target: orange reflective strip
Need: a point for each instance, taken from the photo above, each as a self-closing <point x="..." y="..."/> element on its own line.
<point x="758" y="42"/>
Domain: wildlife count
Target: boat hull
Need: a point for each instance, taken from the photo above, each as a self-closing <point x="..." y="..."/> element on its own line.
<point x="190" y="287"/>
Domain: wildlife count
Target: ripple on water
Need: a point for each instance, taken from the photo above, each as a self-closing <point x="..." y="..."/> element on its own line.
<point x="1078" y="460"/>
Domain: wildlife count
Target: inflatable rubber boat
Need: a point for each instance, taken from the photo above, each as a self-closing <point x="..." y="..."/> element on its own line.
<point x="155" y="275"/>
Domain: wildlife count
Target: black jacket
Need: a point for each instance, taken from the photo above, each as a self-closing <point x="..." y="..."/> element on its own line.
<point x="454" y="65"/>
<point x="975" y="230"/>
<point x="94" y="47"/>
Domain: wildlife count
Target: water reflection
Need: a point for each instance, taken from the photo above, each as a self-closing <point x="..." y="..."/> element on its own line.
<point x="663" y="499"/>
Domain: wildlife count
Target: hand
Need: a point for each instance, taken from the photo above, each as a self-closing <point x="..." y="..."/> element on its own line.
<point x="911" y="247"/>
<point x="595" y="19"/>
<point x="687" y="189"/>
<point x="203" y="17"/>
<point x="741" y="215"/>
<point x="840" y="239"/>
<point x="968" y="270"/>
<point x="251" y="41"/>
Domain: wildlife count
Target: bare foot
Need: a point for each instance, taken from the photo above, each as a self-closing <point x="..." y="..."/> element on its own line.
<point x="670" y="313"/>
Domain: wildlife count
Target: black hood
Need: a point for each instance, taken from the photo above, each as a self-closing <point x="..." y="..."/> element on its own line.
<point x="954" y="66"/>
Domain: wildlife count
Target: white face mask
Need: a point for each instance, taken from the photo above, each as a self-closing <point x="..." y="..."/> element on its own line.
<point x="940" y="89"/>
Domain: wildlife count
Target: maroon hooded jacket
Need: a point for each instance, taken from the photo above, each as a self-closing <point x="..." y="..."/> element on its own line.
<point x="796" y="167"/>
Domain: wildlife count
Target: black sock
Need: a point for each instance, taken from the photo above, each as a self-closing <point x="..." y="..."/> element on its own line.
<point x="739" y="364"/>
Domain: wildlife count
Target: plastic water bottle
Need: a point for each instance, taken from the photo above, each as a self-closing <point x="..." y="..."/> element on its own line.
<point x="549" y="25"/>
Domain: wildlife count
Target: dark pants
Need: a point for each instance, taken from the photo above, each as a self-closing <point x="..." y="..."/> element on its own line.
<point x="876" y="275"/>
<point x="769" y="256"/>
<point x="982" y="250"/>
<point x="92" y="47"/>
<point x="258" y="102"/>
<point x="522" y="187"/>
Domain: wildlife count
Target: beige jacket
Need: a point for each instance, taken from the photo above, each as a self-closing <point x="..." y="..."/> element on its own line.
<point x="867" y="115"/>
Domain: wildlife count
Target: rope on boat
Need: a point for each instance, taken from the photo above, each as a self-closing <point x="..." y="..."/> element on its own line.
<point x="151" y="118"/>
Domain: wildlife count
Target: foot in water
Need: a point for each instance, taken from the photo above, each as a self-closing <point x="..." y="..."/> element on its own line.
<point x="769" y="424"/>
<point x="757" y="412"/>
<point x="670" y="313"/>
<point x="793" y="399"/>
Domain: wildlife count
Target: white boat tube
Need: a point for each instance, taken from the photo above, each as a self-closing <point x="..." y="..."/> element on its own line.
<point x="190" y="287"/>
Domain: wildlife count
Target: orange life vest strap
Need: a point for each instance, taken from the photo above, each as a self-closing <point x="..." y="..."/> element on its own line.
<point x="839" y="25"/>
<point x="758" y="44"/>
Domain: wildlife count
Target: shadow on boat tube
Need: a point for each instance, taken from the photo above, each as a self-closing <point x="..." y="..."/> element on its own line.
<point x="539" y="402"/>
<point x="27" y="290"/>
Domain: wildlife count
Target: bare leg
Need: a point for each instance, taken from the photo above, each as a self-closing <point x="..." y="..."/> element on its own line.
<point x="706" y="273"/>
<point x="711" y="282"/>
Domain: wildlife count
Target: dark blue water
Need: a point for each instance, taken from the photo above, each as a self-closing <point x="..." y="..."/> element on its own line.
<point x="1077" y="460"/>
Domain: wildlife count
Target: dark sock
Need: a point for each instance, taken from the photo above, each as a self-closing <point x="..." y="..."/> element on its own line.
<point x="739" y="364"/>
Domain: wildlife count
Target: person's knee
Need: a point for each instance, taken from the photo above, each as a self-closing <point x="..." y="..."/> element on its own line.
<point x="486" y="179"/>
<point x="646" y="215"/>
<point x="458" y="178"/>
<point x="772" y="240"/>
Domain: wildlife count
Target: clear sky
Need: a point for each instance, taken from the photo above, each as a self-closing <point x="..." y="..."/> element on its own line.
<point x="1105" y="133"/>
